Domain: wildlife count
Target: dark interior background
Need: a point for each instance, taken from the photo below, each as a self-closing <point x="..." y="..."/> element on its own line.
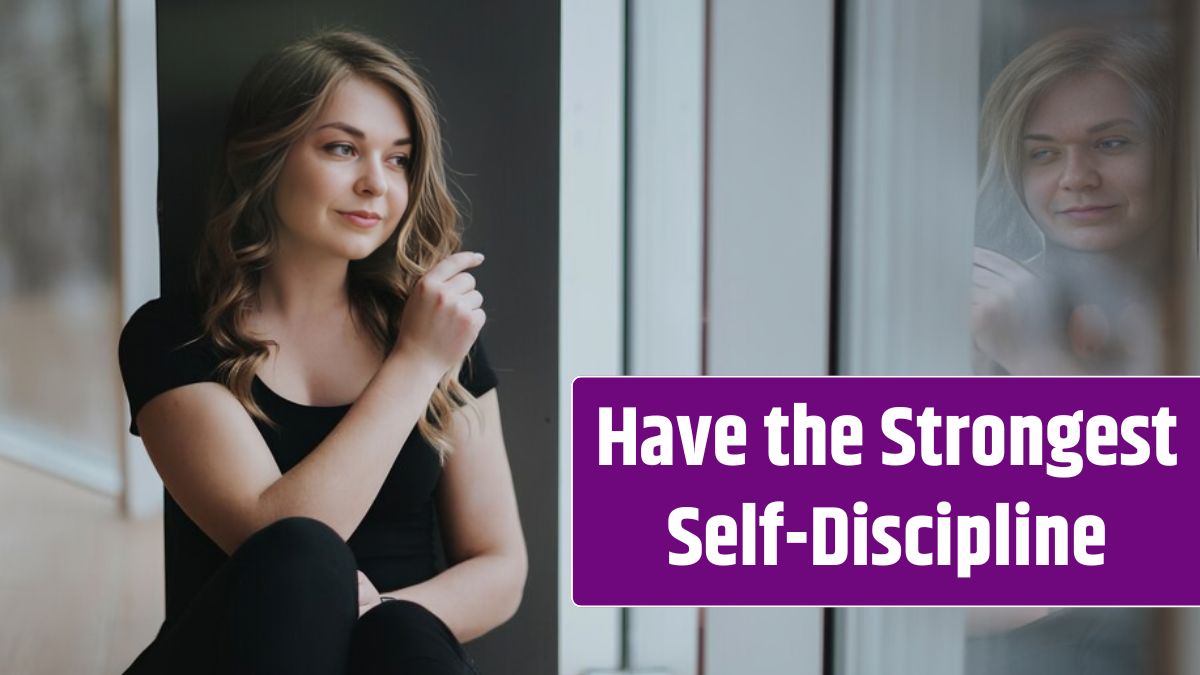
<point x="494" y="68"/>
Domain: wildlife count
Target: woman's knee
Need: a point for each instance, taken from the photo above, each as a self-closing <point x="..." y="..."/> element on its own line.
<point x="395" y="635"/>
<point x="298" y="552"/>
<point x="293" y="599"/>
<point x="295" y="536"/>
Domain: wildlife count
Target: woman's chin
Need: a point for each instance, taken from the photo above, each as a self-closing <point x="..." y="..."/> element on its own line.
<point x="358" y="250"/>
<point x="1097" y="238"/>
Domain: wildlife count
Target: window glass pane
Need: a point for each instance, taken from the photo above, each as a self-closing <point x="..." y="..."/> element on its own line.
<point x="57" y="268"/>
<point x="1074" y="233"/>
<point x="1074" y="212"/>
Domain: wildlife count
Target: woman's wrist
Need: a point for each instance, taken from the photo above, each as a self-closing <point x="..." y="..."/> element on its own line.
<point x="414" y="368"/>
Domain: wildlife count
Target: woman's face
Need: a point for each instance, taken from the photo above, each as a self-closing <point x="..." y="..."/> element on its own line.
<point x="1088" y="164"/>
<point x="344" y="185"/>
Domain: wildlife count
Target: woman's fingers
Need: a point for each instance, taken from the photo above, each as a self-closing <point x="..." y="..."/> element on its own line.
<point x="368" y="595"/>
<point x="992" y="259"/>
<point x="452" y="265"/>
<point x="442" y="315"/>
<point x="1001" y="265"/>
<point x="463" y="282"/>
<point x="982" y="277"/>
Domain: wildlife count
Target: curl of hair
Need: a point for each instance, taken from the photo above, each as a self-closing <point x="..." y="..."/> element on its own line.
<point x="1140" y="58"/>
<point x="276" y="104"/>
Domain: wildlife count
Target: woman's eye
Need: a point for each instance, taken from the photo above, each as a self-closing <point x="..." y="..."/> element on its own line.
<point x="1112" y="143"/>
<point x="402" y="161"/>
<point x="340" y="149"/>
<point x="1041" y="154"/>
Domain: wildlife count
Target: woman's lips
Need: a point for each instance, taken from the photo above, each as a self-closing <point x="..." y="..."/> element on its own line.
<point x="1087" y="212"/>
<point x="363" y="219"/>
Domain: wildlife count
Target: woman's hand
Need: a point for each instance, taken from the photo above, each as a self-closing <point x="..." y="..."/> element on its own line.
<point x="1009" y="311"/>
<point x="368" y="595"/>
<point x="443" y="313"/>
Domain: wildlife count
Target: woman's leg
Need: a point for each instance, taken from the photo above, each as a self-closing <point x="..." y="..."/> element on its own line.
<point x="285" y="602"/>
<point x="401" y="637"/>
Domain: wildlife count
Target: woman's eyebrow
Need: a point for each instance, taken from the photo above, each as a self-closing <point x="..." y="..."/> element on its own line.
<point x="1094" y="129"/>
<point x="1109" y="124"/>
<point x="357" y="133"/>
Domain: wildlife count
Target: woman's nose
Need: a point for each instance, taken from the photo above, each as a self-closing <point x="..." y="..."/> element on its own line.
<point x="371" y="181"/>
<point x="1079" y="172"/>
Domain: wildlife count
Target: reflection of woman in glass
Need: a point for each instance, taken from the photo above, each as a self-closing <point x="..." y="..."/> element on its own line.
<point x="1072" y="223"/>
<point x="334" y="320"/>
<point x="1074" y="186"/>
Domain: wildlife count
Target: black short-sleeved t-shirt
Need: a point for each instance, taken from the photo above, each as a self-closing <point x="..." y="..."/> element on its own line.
<point x="394" y="544"/>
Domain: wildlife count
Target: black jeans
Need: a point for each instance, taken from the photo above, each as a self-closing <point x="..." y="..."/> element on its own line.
<point x="287" y="602"/>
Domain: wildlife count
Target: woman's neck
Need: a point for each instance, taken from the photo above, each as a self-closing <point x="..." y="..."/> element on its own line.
<point x="302" y="289"/>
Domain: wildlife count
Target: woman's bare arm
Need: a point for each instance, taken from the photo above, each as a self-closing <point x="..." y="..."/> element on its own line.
<point x="218" y="468"/>
<point x="482" y="531"/>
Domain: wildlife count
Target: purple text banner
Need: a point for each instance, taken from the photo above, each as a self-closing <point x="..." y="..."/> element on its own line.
<point x="884" y="491"/>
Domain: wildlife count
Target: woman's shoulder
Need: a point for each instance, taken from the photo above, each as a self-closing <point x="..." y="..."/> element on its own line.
<point x="174" y="310"/>
<point x="165" y="324"/>
<point x="163" y="346"/>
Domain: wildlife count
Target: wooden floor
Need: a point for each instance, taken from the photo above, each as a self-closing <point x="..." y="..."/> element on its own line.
<point x="81" y="587"/>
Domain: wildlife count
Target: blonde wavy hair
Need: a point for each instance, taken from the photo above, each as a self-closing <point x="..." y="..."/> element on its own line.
<point x="275" y="106"/>
<point x="1140" y="58"/>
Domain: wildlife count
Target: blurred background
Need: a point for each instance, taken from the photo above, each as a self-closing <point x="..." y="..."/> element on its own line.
<point x="663" y="187"/>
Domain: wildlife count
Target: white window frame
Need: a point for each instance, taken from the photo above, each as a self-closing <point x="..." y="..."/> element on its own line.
<point x="769" y="102"/>
<point x="908" y="186"/>
<point x="910" y="119"/>
<point x="665" y="204"/>
<point x="137" y="110"/>
<point x="769" y="263"/>
<point x="591" y="260"/>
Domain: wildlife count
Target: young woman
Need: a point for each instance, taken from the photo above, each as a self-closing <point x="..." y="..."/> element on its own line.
<point x="1073" y="224"/>
<point x="323" y="390"/>
<point x="1075" y="185"/>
